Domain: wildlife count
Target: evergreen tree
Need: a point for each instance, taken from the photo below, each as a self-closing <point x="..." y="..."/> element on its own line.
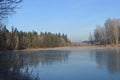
<point x="22" y="40"/>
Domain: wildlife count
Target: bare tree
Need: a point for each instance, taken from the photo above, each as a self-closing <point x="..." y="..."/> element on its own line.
<point x="8" y="7"/>
<point x="108" y="29"/>
<point x="91" y="39"/>
<point x="99" y="35"/>
<point x="108" y="34"/>
<point x="112" y="30"/>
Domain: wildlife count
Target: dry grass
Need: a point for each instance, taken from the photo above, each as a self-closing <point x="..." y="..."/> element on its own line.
<point x="70" y="47"/>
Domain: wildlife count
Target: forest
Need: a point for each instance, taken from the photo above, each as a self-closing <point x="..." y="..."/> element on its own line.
<point x="14" y="39"/>
<point x="107" y="34"/>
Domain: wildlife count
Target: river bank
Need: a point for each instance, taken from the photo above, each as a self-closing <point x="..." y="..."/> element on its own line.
<point x="70" y="47"/>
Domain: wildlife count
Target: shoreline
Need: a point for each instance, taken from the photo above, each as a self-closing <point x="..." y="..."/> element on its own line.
<point x="70" y="47"/>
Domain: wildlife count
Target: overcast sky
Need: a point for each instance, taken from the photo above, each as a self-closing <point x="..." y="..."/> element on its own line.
<point x="76" y="18"/>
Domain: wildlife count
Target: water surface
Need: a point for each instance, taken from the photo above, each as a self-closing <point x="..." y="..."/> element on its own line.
<point x="67" y="64"/>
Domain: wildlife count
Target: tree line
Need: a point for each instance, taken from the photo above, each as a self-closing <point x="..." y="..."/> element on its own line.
<point x="14" y="39"/>
<point x="107" y="34"/>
